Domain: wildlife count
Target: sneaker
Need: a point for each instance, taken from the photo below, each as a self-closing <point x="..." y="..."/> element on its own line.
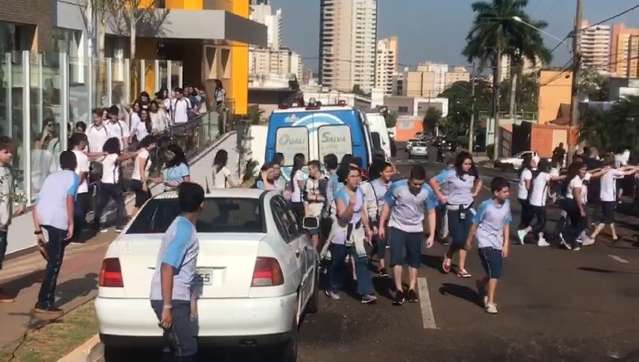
<point x="47" y="314"/>
<point x="369" y="299"/>
<point x="399" y="298"/>
<point x="521" y="234"/>
<point x="382" y="272"/>
<point x="491" y="308"/>
<point x="6" y="298"/>
<point x="563" y="242"/>
<point x="577" y="247"/>
<point x="411" y="296"/>
<point x="103" y="231"/>
<point x="331" y="294"/>
<point x="542" y="243"/>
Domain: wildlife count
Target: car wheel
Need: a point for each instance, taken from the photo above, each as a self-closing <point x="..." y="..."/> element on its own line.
<point x="313" y="302"/>
<point x="113" y="353"/>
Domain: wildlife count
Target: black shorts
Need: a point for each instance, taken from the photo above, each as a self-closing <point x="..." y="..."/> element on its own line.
<point x="491" y="260"/>
<point x="405" y="247"/>
<point x="141" y="196"/>
<point x="608" y="212"/>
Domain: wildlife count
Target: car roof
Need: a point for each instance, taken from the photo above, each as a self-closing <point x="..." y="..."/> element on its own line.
<point x="239" y="193"/>
<point x="313" y="109"/>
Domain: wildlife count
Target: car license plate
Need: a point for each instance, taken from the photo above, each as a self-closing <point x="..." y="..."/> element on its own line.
<point x="204" y="277"/>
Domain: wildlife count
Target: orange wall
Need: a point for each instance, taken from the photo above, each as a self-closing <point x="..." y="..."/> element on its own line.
<point x="544" y="139"/>
<point x="407" y="129"/>
<point x="185" y="4"/>
<point x="555" y="89"/>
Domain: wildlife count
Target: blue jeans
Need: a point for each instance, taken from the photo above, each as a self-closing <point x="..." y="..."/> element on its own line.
<point x="181" y="337"/>
<point x="55" y="250"/>
<point x="336" y="270"/>
<point x="3" y="246"/>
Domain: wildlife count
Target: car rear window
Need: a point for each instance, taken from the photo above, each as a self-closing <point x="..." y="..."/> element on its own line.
<point x="220" y="215"/>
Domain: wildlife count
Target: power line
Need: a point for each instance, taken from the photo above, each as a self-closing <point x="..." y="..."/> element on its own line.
<point x="613" y="17"/>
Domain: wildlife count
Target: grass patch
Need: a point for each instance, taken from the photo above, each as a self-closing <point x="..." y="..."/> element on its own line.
<point x="55" y="340"/>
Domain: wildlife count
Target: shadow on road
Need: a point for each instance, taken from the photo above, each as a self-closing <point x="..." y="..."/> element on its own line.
<point x="462" y="292"/>
<point x="74" y="288"/>
<point x="605" y="271"/>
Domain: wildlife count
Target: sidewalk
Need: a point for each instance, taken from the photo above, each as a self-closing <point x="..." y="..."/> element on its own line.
<point x="78" y="279"/>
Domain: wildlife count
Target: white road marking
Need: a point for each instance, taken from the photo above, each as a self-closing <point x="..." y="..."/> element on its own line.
<point x="424" y="304"/>
<point x="619" y="259"/>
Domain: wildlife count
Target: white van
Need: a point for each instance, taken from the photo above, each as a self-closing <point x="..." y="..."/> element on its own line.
<point x="379" y="133"/>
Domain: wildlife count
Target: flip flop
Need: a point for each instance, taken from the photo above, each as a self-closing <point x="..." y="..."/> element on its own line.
<point x="464" y="274"/>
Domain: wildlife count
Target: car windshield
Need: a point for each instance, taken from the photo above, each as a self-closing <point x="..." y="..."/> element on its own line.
<point x="219" y="215"/>
<point x="420" y="144"/>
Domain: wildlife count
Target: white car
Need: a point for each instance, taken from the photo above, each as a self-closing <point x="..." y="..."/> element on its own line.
<point x="513" y="162"/>
<point x="418" y="149"/>
<point x="257" y="269"/>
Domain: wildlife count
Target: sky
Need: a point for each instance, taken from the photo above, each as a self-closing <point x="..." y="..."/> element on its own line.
<point x="435" y="30"/>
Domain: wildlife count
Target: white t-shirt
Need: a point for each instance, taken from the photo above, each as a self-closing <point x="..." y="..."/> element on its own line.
<point x="97" y="137"/>
<point x="608" y="192"/>
<point x="296" y="196"/>
<point x="178" y="110"/>
<point x="110" y="169"/>
<point x="522" y="193"/>
<point x="143" y="156"/>
<point x="140" y="131"/>
<point x="577" y="183"/>
<point x="52" y="199"/>
<point x="158" y="121"/>
<point x="220" y="178"/>
<point x="119" y="130"/>
<point x="539" y="191"/>
<point x="135" y="120"/>
<point x="83" y="166"/>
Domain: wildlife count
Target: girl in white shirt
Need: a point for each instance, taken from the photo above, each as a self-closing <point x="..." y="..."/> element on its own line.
<point x="159" y="118"/>
<point x="222" y="177"/>
<point x="140" y="177"/>
<point x="143" y="127"/>
<point x="538" y="194"/>
<point x="608" y="195"/>
<point x="525" y="178"/>
<point x="297" y="185"/>
<point x="110" y="186"/>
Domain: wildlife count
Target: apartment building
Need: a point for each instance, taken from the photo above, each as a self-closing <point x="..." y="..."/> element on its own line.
<point x="624" y="51"/>
<point x="594" y="44"/>
<point x="261" y="12"/>
<point x="348" y="40"/>
<point x="386" y="64"/>
<point x="457" y="74"/>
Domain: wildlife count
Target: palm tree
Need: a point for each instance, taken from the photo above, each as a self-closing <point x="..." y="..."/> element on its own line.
<point x="502" y="27"/>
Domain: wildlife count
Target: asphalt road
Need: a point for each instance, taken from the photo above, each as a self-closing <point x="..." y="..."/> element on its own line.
<point x="555" y="305"/>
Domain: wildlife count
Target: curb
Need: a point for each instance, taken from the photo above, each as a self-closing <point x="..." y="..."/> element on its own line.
<point x="90" y="351"/>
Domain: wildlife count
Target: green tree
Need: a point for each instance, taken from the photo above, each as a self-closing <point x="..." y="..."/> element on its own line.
<point x="594" y="85"/>
<point x="612" y="130"/>
<point x="498" y="29"/>
<point x="460" y="104"/>
<point x="431" y="120"/>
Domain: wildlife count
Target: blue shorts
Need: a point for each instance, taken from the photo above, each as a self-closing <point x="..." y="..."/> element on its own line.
<point x="405" y="248"/>
<point x="491" y="260"/>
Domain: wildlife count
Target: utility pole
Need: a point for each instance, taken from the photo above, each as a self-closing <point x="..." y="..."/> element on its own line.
<point x="576" y="67"/>
<point x="471" y="130"/>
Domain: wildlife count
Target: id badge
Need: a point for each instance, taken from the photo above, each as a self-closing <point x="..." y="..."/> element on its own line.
<point x="462" y="214"/>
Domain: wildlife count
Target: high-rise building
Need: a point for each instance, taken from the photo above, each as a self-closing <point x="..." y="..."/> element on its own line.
<point x="348" y="34"/>
<point x="261" y="12"/>
<point x="458" y="74"/>
<point x="594" y="44"/>
<point x="386" y="65"/>
<point x="622" y="53"/>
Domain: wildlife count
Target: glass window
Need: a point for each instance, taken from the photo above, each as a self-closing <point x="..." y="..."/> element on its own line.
<point x="291" y="141"/>
<point x="335" y="139"/>
<point x="278" y="216"/>
<point x="220" y="215"/>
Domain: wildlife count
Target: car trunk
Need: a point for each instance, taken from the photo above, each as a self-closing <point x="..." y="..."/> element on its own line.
<point x="225" y="264"/>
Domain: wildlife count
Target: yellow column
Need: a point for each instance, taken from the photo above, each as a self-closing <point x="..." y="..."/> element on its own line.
<point x="239" y="78"/>
<point x="184" y="4"/>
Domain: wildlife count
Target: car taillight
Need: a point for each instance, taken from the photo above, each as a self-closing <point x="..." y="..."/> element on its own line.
<point x="267" y="273"/>
<point x="111" y="273"/>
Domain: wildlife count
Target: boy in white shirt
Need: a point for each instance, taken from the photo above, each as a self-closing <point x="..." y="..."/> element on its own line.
<point x="117" y="128"/>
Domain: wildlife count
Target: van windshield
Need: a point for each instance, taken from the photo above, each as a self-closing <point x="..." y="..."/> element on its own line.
<point x="335" y="139"/>
<point x="291" y="141"/>
<point x="219" y="215"/>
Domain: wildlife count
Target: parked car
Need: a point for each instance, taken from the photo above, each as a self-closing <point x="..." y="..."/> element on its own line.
<point x="419" y="149"/>
<point x="257" y="270"/>
<point x="513" y="162"/>
<point x="410" y="143"/>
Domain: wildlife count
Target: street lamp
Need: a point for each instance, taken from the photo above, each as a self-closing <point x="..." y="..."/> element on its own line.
<point x="520" y="20"/>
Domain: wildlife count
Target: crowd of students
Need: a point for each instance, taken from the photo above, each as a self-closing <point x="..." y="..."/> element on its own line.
<point x="94" y="171"/>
